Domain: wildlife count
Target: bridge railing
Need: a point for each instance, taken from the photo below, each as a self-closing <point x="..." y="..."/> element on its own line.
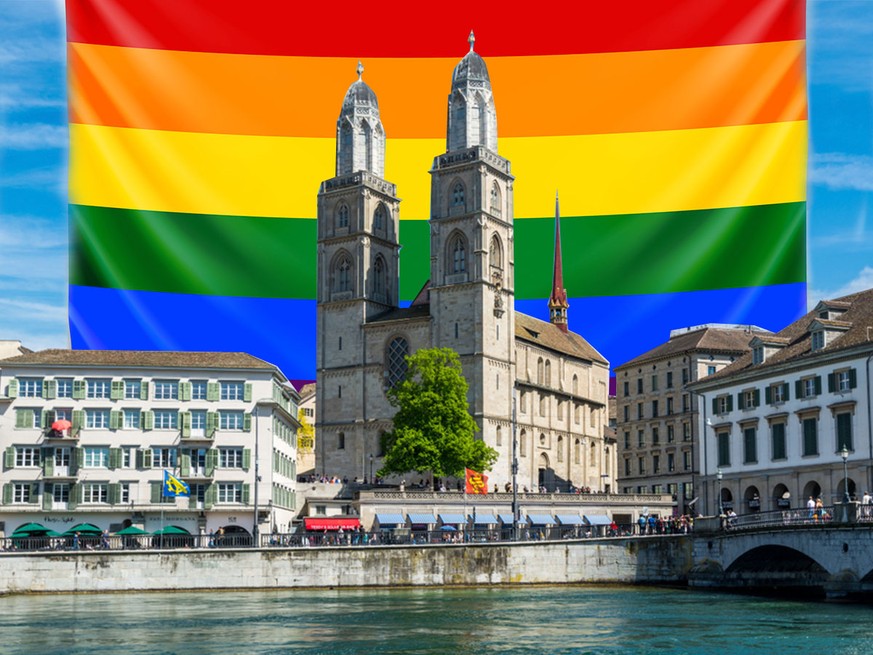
<point x="788" y="517"/>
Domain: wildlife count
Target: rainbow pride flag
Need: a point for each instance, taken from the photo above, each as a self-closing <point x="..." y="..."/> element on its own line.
<point x="675" y="131"/>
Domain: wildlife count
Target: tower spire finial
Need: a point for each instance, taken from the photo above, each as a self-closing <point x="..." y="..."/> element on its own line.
<point x="558" y="304"/>
<point x="471" y="40"/>
<point x="360" y="70"/>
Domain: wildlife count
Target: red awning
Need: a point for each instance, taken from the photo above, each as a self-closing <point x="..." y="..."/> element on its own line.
<point x="334" y="523"/>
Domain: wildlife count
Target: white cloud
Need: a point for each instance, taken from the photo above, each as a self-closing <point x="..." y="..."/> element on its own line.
<point x="842" y="171"/>
<point x="861" y="282"/>
<point x="31" y="233"/>
<point x="45" y="179"/>
<point x="34" y="136"/>
<point x="36" y="312"/>
<point x="15" y="97"/>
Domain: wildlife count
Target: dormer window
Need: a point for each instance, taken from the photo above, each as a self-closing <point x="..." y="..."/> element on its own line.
<point x="818" y="340"/>
<point x="758" y="355"/>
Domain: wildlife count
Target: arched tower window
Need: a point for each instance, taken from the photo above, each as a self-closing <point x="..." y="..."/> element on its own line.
<point x="343" y="273"/>
<point x="575" y="385"/>
<point x="592" y="458"/>
<point x="577" y="451"/>
<point x="548" y="373"/>
<point x="457" y="254"/>
<point x="379" y="217"/>
<point x="498" y="439"/>
<point x="458" y="195"/>
<point x="367" y="133"/>
<point x="540" y="370"/>
<point x="495" y="197"/>
<point x="495" y="253"/>
<point x="560" y="448"/>
<point x="342" y="215"/>
<point x="522" y="443"/>
<point x="380" y="279"/>
<point x="395" y="361"/>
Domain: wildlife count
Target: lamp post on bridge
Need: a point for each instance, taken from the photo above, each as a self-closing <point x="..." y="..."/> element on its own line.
<point x="844" y="453"/>
<point x="718" y="506"/>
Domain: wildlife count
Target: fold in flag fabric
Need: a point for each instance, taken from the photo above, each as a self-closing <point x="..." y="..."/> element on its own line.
<point x="476" y="483"/>
<point x="173" y="486"/>
<point x="200" y="130"/>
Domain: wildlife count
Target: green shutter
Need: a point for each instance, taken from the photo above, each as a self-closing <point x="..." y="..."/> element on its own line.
<point x="209" y="497"/>
<point x="741" y="402"/>
<point x="116" y="390"/>
<point x="147" y="420"/>
<point x="185" y="421"/>
<point x="78" y="390"/>
<point x="116" y="419"/>
<point x="832" y="382"/>
<point x="247" y="458"/>
<point x="247" y="422"/>
<point x="714" y="406"/>
<point x="817" y="385"/>
<point x="798" y="389"/>
<point x="114" y="493"/>
<point x="75" y="496"/>
<point x="77" y="456"/>
<point x="853" y="378"/>
<point x="115" y="458"/>
<point x="185" y="464"/>
<point x="155" y="496"/>
<point x="48" y="461"/>
<point x="7" y="493"/>
<point x="78" y="420"/>
<point x="80" y="457"/>
<point x="212" y="391"/>
<point x="47" y="497"/>
<point x="785" y="394"/>
<point x="147" y="458"/>
<point x="144" y="390"/>
<point x="139" y="459"/>
<point x="48" y="417"/>
<point x="9" y="457"/>
<point x="757" y="397"/>
<point x="730" y="403"/>
<point x="49" y="389"/>
<point x="184" y="391"/>
<point x="246" y="492"/>
<point x="247" y="392"/>
<point x="12" y="392"/>
<point x="768" y="396"/>
<point x="23" y="418"/>
<point x="211" y="461"/>
<point x="211" y="423"/>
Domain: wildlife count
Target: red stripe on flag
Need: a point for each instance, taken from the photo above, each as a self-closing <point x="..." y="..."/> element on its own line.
<point x="390" y="29"/>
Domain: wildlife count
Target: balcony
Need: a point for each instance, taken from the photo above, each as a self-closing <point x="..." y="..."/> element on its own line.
<point x="53" y="436"/>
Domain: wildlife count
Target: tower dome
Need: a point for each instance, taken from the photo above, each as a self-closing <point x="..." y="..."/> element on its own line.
<point x="472" y="118"/>
<point x="360" y="138"/>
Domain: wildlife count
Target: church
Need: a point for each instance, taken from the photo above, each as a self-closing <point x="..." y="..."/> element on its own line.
<point x="554" y="381"/>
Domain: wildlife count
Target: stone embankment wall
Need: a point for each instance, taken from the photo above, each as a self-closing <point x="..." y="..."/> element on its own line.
<point x="659" y="560"/>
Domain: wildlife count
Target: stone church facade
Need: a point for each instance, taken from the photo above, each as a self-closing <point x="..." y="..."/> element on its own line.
<point x="557" y="381"/>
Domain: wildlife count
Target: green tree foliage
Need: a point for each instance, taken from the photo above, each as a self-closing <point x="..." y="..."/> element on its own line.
<point x="433" y="429"/>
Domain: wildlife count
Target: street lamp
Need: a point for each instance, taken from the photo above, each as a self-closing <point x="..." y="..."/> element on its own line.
<point x="371" y="468"/>
<point x="844" y="453"/>
<point x="718" y="506"/>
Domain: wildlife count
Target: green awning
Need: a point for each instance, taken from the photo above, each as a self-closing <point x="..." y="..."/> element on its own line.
<point x="172" y="529"/>
<point x="84" y="528"/>
<point x="28" y="529"/>
<point x="131" y="530"/>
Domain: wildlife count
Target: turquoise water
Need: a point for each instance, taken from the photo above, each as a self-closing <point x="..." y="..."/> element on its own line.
<point x="528" y="620"/>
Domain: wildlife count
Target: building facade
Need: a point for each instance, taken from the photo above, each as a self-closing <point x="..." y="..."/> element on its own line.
<point x="790" y="419"/>
<point x="225" y="423"/>
<point x="557" y="380"/>
<point x="657" y="429"/>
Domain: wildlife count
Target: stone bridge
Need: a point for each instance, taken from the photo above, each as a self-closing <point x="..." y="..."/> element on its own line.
<point x="810" y="559"/>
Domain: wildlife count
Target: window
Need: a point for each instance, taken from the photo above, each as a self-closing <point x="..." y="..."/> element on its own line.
<point x="654" y="383"/>
<point x="495" y="197"/>
<point x="577" y="451"/>
<point x="164" y="457"/>
<point x="626" y="413"/>
<point x="686" y="431"/>
<point x="654" y="409"/>
<point x="810" y="436"/>
<point x="684" y="376"/>
<point x="458" y="195"/>
<point x="27" y="418"/>
<point x="21" y="493"/>
<point x="641" y="464"/>
<point x="639" y="411"/>
<point x="379" y="217"/>
<point x="710" y="370"/>
<point x="656" y="464"/>
<point x="343" y="216"/>
<point x="230" y="419"/>
<point x="498" y="436"/>
<point x="671" y="436"/>
<point x="522" y="443"/>
<point x="750" y="445"/>
<point x="379" y="278"/>
<point x="818" y="340"/>
<point x="98" y="388"/>
<point x="344" y="274"/>
<point x="30" y="387"/>
<point x="639" y="385"/>
<point x="229" y="492"/>
<point x="131" y="419"/>
<point x="627" y="467"/>
<point x="495" y="253"/>
<point x="842" y="381"/>
<point x="198" y="390"/>
<point x="656" y="437"/>
<point x="669" y="406"/>
<point x="458" y="252"/>
<point x="232" y="390"/>
<point x="124" y="492"/>
<point x="548" y="373"/>
<point x="543" y="404"/>
<point x="749" y="399"/>
<point x="166" y="419"/>
<point x="396" y="365"/>
<point x="166" y="390"/>
<point x="94" y="492"/>
<point x="626" y="388"/>
<point x="132" y="389"/>
<point x="198" y="421"/>
<point x="97" y="418"/>
<point x="64" y="387"/>
<point x="671" y="462"/>
<point x="776" y="394"/>
<point x="808" y="387"/>
<point x="757" y="355"/>
<point x="724" y="448"/>
<point x="844" y="431"/>
<point x="627" y="440"/>
<point x="686" y="460"/>
<point x="777" y="437"/>
<point x="62" y="457"/>
<point x="641" y="438"/>
<point x="60" y="494"/>
<point x="231" y="458"/>
<point x="669" y="379"/>
<point x="722" y="404"/>
<point x="127" y="457"/>
<point x="95" y="458"/>
<point x="27" y="456"/>
<point x="560" y="410"/>
<point x="341" y="441"/>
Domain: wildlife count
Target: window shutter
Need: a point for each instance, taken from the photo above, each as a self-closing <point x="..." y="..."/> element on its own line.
<point x="185" y="464"/>
<point x="155" y="495"/>
<point x="80" y="457"/>
<point x="768" y="395"/>
<point x="12" y="392"/>
<point x="9" y="457"/>
<point x="147" y="420"/>
<point x="116" y="390"/>
<point x="48" y="417"/>
<point x="832" y="383"/>
<point x="49" y="389"/>
<point x="247" y="458"/>
<point x="78" y="420"/>
<point x="144" y="390"/>
<point x="184" y="391"/>
<point x="76" y="457"/>
<point x="211" y="423"/>
<point x="247" y="392"/>
<point x="115" y="458"/>
<point x="78" y="389"/>
<point x="853" y="378"/>
<point x="209" y="496"/>
<point x="113" y="493"/>
<point x="147" y="458"/>
<point x="798" y="389"/>
<point x="785" y="388"/>
<point x="817" y="385"/>
<point x="7" y="493"/>
<point x="247" y="422"/>
<point x="115" y="419"/>
<point x="23" y="418"/>
<point x="741" y="401"/>
<point x="715" y="406"/>
<point x="138" y="458"/>
<point x="211" y="461"/>
<point x="212" y="391"/>
<point x="245" y="494"/>
<point x="47" y="496"/>
<point x="48" y="461"/>
<point x="757" y="397"/>
<point x="730" y="403"/>
<point x="185" y="420"/>
<point x="75" y="496"/>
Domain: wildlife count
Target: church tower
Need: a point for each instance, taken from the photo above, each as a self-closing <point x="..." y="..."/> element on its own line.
<point x="558" y="304"/>
<point x="358" y="263"/>
<point x="472" y="262"/>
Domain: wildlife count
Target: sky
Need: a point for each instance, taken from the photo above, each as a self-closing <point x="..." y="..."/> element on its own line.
<point x="33" y="161"/>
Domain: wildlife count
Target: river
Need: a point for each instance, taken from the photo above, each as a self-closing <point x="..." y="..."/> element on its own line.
<point x="526" y="620"/>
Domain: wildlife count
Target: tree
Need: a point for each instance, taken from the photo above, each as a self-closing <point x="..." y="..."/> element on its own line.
<point x="433" y="429"/>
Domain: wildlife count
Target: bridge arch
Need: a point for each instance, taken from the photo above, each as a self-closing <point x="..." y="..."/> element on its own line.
<point x="775" y="558"/>
<point x="778" y="569"/>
